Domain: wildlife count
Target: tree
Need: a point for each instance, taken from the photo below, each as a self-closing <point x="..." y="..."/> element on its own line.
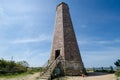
<point x="12" y="67"/>
<point x="24" y="64"/>
<point x="117" y="63"/>
<point x="111" y="69"/>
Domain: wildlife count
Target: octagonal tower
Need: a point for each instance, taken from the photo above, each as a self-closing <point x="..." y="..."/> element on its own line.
<point x="65" y="44"/>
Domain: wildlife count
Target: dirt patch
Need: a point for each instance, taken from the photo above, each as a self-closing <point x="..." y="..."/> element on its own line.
<point x="93" y="76"/>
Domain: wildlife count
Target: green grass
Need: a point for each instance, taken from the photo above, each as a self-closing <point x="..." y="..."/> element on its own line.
<point x="12" y="75"/>
<point x="16" y="75"/>
<point x="117" y="73"/>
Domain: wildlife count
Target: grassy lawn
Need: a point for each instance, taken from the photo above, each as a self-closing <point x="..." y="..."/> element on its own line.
<point x="17" y="75"/>
<point x="13" y="75"/>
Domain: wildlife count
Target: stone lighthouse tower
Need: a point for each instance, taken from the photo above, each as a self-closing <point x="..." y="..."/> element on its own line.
<point x="64" y="43"/>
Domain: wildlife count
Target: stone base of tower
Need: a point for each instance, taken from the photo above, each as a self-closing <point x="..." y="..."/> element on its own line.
<point x="73" y="68"/>
<point x="67" y="68"/>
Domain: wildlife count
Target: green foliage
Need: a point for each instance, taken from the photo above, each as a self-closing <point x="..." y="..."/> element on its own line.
<point x="23" y="63"/>
<point x="42" y="69"/>
<point x="104" y="69"/>
<point x="33" y="70"/>
<point x="117" y="63"/>
<point x="12" y="75"/>
<point x="11" y="67"/>
<point x="117" y="73"/>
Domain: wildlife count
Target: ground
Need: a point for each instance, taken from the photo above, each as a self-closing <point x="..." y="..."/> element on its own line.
<point x="92" y="76"/>
<point x="27" y="77"/>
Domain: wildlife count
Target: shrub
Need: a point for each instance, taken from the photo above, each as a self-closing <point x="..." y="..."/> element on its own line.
<point x="12" y="67"/>
<point x="117" y="73"/>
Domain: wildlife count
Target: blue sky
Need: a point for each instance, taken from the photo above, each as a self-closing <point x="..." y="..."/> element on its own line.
<point x="26" y="30"/>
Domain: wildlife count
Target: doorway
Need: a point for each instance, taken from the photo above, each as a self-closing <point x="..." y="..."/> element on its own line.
<point x="57" y="53"/>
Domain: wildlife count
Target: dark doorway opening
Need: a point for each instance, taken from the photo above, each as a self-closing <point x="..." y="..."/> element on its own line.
<point x="57" y="53"/>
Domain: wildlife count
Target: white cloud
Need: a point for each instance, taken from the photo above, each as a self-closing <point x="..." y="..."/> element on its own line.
<point x="19" y="6"/>
<point x="103" y="55"/>
<point x="100" y="58"/>
<point x="117" y="40"/>
<point x="18" y="12"/>
<point x="41" y="58"/>
<point x="35" y="58"/>
<point x="1" y="12"/>
<point x="83" y="42"/>
<point x="40" y="38"/>
<point x="9" y="18"/>
<point x="83" y="26"/>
